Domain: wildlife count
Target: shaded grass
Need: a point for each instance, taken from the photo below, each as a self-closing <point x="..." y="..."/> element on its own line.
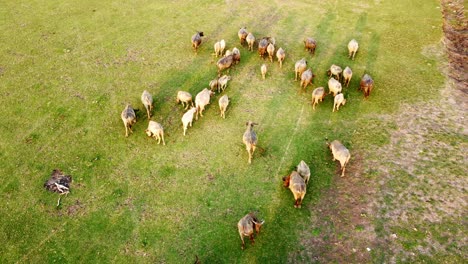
<point x="69" y="68"/>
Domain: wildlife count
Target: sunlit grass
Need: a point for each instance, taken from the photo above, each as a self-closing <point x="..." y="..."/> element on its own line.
<point x="68" y="68"/>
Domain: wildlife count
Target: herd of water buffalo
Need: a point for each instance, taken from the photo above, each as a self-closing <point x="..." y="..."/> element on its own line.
<point x="297" y="180"/>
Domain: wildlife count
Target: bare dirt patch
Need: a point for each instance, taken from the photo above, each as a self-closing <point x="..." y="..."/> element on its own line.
<point x="75" y="208"/>
<point x="341" y="229"/>
<point x="422" y="195"/>
<point x="456" y="41"/>
<point x="401" y="202"/>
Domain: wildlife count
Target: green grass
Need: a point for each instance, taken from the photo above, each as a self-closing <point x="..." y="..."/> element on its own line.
<point x="68" y="68"/>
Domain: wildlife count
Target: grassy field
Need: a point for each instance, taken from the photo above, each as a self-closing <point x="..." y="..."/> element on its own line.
<point x="67" y="69"/>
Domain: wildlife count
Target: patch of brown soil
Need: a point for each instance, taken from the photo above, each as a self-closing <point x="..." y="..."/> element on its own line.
<point x="456" y="41"/>
<point x="342" y="230"/>
<point x="422" y="196"/>
<point x="75" y="209"/>
<point x="401" y="202"/>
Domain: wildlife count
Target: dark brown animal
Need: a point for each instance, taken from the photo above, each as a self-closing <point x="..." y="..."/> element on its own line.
<point x="310" y="45"/>
<point x="366" y="85"/>
<point x="225" y="63"/>
<point x="262" y="46"/>
<point x="196" y="40"/>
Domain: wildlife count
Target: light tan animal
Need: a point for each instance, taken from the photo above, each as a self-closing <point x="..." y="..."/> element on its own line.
<point x="129" y="118"/>
<point x="223" y="81"/>
<point x="155" y="130"/>
<point x="263" y="69"/>
<point x="242" y="34"/>
<point x="347" y="74"/>
<point x="223" y="104"/>
<point x="201" y="100"/>
<point x="340" y="153"/>
<point x="334" y="86"/>
<point x="299" y="68"/>
<point x="184" y="98"/>
<point x="219" y="47"/>
<point x="297" y="186"/>
<point x="225" y="63"/>
<point x="247" y="225"/>
<point x="317" y="96"/>
<point x="250" y="139"/>
<point x="196" y="40"/>
<point x="147" y="101"/>
<point x="280" y="55"/>
<point x="339" y="100"/>
<point x="187" y="118"/>
<point x="304" y="170"/>
<point x="306" y="78"/>
<point x="353" y="47"/>
<point x="250" y="40"/>
<point x="335" y="70"/>
<point x="271" y="51"/>
<point x="310" y="45"/>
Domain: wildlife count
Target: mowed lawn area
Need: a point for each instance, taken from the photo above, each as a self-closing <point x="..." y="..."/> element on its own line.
<point x="68" y="68"/>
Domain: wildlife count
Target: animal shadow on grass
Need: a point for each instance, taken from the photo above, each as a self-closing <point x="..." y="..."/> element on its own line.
<point x="322" y="30"/>
<point x="372" y="52"/>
